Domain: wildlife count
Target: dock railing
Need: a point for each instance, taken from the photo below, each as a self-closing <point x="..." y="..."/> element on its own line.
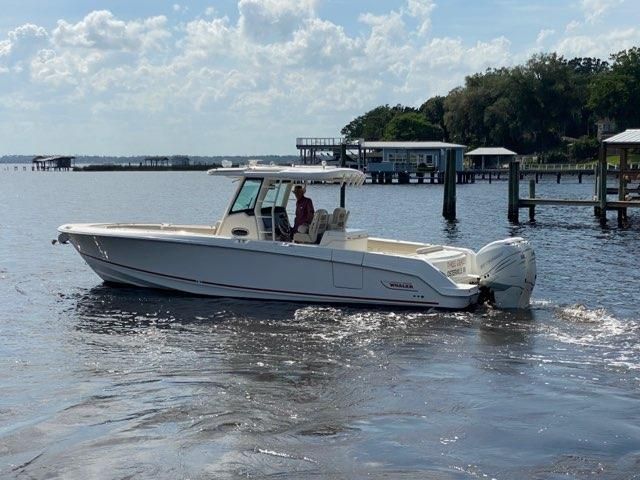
<point x="575" y="166"/>
<point x="319" y="141"/>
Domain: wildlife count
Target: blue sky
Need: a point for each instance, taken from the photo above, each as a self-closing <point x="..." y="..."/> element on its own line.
<point x="248" y="76"/>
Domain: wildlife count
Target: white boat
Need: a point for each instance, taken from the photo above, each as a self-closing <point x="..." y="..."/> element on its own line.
<point x="248" y="253"/>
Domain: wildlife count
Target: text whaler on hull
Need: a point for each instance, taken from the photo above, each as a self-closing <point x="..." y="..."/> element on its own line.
<point x="250" y="253"/>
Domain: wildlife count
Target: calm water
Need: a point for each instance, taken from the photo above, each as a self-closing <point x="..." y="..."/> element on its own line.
<point x="99" y="382"/>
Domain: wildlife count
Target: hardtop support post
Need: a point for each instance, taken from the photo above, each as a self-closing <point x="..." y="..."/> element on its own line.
<point x="343" y="163"/>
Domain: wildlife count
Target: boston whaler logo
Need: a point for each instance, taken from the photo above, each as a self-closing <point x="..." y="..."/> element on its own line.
<point x="397" y="285"/>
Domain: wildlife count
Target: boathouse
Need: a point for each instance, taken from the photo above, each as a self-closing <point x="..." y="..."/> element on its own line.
<point x="57" y="162"/>
<point x="488" y="158"/>
<point x="388" y="157"/>
<point x="409" y="157"/>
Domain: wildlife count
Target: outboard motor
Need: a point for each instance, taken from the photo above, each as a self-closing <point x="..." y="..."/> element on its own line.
<point x="507" y="270"/>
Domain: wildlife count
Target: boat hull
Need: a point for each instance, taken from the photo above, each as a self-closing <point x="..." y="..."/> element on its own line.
<point x="228" y="267"/>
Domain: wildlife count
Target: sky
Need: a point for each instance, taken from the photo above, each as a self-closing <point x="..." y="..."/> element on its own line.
<point x="246" y="77"/>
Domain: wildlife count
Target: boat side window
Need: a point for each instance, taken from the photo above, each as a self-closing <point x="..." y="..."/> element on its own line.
<point x="270" y="197"/>
<point x="246" y="199"/>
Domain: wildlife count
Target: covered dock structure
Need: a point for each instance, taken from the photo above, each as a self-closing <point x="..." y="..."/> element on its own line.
<point x="487" y="158"/>
<point x="384" y="160"/>
<point x="408" y="156"/>
<point x="315" y="150"/>
<point x="622" y="144"/>
<point x="52" y="162"/>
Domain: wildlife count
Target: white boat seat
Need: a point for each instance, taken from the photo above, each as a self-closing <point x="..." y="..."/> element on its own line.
<point x="338" y="220"/>
<point x="317" y="227"/>
<point x="429" y="249"/>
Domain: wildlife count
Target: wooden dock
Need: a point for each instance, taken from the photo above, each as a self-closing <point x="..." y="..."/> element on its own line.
<point x="622" y="142"/>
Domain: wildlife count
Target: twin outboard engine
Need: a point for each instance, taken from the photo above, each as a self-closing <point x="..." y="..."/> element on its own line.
<point x="507" y="270"/>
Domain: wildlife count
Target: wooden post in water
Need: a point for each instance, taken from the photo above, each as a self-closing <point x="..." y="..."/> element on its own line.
<point x="532" y="195"/>
<point x="449" y="201"/>
<point x="602" y="185"/>
<point x="514" y="191"/>
<point x="596" y="187"/>
<point x="343" y="163"/>
<point x="622" y="187"/>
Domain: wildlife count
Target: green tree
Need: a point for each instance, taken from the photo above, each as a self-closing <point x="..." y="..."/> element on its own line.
<point x="372" y="124"/>
<point x="584" y="148"/>
<point x="433" y="110"/>
<point x="411" y="126"/>
<point x="535" y="107"/>
<point x="616" y="93"/>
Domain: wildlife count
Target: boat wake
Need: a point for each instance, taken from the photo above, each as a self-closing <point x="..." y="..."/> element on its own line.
<point x="605" y="337"/>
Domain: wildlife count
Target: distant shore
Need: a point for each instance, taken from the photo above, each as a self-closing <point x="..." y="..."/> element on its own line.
<point x="194" y="160"/>
<point x="142" y="168"/>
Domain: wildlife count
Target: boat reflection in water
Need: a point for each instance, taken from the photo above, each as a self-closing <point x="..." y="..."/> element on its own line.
<point x="253" y="387"/>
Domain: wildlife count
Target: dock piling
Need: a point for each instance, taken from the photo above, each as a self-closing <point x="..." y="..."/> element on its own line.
<point x="514" y="191"/>
<point x="622" y="188"/>
<point x="602" y="185"/>
<point x="449" y="203"/>
<point x="532" y="195"/>
<point x="596" y="188"/>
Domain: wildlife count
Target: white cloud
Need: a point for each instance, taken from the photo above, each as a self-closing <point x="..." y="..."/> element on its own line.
<point x="594" y="9"/>
<point x="277" y="63"/>
<point x="572" y="26"/>
<point x="601" y="45"/>
<point x="209" y="38"/>
<point x="21" y="43"/>
<point x="103" y="31"/>
<point x="543" y="35"/>
<point x="421" y="10"/>
<point x="320" y="44"/>
<point x="269" y="21"/>
<point x="388" y="34"/>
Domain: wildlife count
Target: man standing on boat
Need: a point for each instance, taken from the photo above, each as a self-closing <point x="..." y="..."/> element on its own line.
<point x="304" y="211"/>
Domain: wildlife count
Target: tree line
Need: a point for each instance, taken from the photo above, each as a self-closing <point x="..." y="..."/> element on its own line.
<point x="548" y="106"/>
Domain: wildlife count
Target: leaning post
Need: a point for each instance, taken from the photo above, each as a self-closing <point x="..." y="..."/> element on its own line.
<point x="343" y="163"/>
<point x="449" y="202"/>
<point x="514" y="191"/>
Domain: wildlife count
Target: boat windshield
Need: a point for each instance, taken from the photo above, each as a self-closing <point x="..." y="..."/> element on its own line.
<point x="246" y="199"/>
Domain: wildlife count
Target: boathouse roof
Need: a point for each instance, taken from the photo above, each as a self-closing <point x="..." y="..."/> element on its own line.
<point x="51" y="158"/>
<point x="487" y="151"/>
<point x="630" y="136"/>
<point x="411" y="145"/>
